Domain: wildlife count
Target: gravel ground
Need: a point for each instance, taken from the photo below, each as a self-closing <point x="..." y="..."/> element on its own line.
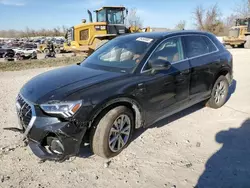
<point x="196" y="145"/>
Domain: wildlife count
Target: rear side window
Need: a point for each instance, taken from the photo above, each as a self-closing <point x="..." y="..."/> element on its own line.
<point x="210" y="44"/>
<point x="198" y="45"/>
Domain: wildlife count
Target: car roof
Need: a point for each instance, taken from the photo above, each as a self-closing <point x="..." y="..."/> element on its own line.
<point x="158" y="35"/>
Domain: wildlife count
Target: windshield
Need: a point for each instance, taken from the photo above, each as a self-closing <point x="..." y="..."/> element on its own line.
<point x="101" y="16"/>
<point x="241" y="22"/>
<point x="121" y="54"/>
<point x="115" y="16"/>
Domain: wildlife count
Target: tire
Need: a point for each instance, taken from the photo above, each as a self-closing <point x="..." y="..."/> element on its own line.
<point x="19" y="57"/>
<point x="57" y="51"/>
<point x="46" y="51"/>
<point x="219" y="93"/>
<point x="101" y="134"/>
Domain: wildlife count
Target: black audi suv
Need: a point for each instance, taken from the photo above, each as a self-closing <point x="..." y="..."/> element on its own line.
<point x="130" y="82"/>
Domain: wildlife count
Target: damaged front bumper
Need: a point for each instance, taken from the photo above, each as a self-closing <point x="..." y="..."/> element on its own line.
<point x="50" y="138"/>
<point x="55" y="141"/>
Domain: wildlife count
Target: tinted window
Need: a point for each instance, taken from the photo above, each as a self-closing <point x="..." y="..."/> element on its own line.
<point x="169" y="50"/>
<point x="101" y="16"/>
<point x="198" y="45"/>
<point x="210" y="44"/>
<point x="121" y="54"/>
<point x="115" y="16"/>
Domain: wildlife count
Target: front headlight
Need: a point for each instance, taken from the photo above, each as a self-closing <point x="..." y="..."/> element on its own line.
<point x="66" y="109"/>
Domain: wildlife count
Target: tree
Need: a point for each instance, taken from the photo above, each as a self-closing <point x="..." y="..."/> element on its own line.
<point x="181" y="25"/>
<point x="133" y="19"/>
<point x="243" y="9"/>
<point x="229" y="22"/>
<point x="64" y="29"/>
<point x="209" y="20"/>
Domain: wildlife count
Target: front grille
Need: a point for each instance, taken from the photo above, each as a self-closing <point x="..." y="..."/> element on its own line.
<point x="24" y="111"/>
<point x="116" y="29"/>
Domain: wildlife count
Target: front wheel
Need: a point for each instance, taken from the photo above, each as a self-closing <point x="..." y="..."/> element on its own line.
<point x="113" y="132"/>
<point x="219" y="93"/>
<point x="57" y="51"/>
<point x="46" y="51"/>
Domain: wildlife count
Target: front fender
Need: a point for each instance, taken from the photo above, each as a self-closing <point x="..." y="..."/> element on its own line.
<point x="117" y="101"/>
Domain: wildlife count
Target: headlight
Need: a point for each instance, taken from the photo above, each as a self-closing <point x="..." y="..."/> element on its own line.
<point x="100" y="27"/>
<point x="66" y="109"/>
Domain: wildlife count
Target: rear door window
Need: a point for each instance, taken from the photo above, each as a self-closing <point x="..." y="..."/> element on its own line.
<point x="198" y="45"/>
<point x="210" y="44"/>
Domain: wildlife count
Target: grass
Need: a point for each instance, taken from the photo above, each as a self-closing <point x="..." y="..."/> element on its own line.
<point x="42" y="63"/>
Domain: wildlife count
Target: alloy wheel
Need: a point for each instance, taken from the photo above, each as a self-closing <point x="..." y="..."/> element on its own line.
<point x="220" y="92"/>
<point x="119" y="133"/>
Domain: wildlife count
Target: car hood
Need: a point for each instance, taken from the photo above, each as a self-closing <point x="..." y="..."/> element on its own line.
<point x="58" y="83"/>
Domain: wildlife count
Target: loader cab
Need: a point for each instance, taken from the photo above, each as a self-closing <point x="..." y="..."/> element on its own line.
<point x="114" y="17"/>
<point x="243" y="22"/>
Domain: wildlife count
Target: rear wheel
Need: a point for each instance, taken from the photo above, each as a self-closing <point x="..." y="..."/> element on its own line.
<point x="113" y="132"/>
<point x="19" y="57"/>
<point x="219" y="93"/>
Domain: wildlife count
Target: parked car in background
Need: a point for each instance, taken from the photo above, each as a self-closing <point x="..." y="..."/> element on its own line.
<point x="6" y="53"/>
<point x="25" y="53"/>
<point x="130" y="82"/>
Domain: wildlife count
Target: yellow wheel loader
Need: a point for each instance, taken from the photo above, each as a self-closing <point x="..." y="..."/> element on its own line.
<point x="85" y="37"/>
<point x="239" y="35"/>
<point x="110" y="22"/>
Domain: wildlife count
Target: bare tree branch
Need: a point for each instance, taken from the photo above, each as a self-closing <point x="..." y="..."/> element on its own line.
<point x="209" y="20"/>
<point x="242" y="9"/>
<point x="134" y="19"/>
<point x="181" y="25"/>
<point x="199" y="16"/>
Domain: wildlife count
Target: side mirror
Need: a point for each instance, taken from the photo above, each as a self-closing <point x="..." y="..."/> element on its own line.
<point x="160" y="64"/>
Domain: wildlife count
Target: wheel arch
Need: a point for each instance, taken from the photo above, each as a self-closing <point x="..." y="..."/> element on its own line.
<point x="130" y="103"/>
<point x="223" y="72"/>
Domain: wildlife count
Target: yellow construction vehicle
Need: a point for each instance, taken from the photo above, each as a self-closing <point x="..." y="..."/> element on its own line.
<point x="110" y="22"/>
<point x="85" y="37"/>
<point x="239" y="35"/>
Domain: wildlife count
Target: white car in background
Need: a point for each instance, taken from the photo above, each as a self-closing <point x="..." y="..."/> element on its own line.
<point x="25" y="53"/>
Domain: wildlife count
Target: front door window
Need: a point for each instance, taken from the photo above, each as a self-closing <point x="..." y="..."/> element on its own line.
<point x="169" y="50"/>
